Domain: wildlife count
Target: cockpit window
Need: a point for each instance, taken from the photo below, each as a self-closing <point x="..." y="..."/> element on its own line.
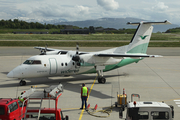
<point x="32" y="62"/>
<point x="36" y="62"/>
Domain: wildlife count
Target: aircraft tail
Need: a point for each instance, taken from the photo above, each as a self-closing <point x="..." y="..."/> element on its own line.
<point x="141" y="38"/>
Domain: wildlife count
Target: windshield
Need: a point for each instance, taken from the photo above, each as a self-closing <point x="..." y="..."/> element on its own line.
<point x="12" y="107"/>
<point x="143" y="115"/>
<point x="44" y="116"/>
<point x="32" y="62"/>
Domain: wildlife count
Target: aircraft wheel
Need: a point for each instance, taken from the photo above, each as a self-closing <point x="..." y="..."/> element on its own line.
<point x="103" y="80"/>
<point x="99" y="80"/>
<point x="22" y="82"/>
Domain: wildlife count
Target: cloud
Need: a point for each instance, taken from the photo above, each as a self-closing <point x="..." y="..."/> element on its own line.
<point x="108" y="4"/>
<point x="160" y="6"/>
<point x="82" y="9"/>
<point x="73" y="10"/>
<point x="56" y="11"/>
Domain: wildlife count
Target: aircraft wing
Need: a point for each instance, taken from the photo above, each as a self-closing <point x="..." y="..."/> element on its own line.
<point x="58" y="50"/>
<point x="48" y="49"/>
<point x="126" y="55"/>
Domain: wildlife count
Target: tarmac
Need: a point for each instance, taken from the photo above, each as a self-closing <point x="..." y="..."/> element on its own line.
<point x="155" y="79"/>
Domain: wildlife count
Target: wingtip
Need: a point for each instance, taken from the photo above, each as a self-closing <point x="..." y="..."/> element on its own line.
<point x="154" y="56"/>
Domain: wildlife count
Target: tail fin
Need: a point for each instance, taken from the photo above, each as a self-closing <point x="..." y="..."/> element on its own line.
<point x="141" y="38"/>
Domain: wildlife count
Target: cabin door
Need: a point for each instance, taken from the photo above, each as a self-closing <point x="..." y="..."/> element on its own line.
<point x="53" y="66"/>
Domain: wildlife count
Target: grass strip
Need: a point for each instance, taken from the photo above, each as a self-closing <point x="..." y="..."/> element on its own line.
<point x="83" y="43"/>
<point x="155" y="36"/>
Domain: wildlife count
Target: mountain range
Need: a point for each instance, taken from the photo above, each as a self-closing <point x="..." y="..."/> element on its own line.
<point x="117" y="23"/>
<point x="41" y="20"/>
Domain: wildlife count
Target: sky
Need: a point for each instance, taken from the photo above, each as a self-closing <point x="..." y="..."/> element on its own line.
<point x="73" y="10"/>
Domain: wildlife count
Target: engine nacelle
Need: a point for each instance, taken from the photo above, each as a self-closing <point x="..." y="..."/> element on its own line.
<point x="52" y="53"/>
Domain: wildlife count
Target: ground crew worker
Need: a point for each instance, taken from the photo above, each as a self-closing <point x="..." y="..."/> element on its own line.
<point x="84" y="95"/>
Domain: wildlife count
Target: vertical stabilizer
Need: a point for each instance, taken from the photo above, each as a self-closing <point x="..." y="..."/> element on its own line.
<point x="141" y="38"/>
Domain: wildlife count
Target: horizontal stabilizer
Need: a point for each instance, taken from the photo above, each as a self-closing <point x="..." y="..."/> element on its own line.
<point x="152" y="23"/>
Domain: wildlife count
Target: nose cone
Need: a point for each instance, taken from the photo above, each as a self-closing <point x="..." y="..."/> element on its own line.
<point x="10" y="74"/>
<point x="15" y="73"/>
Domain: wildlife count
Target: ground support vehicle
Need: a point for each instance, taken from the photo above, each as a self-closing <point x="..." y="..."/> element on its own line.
<point x="10" y="109"/>
<point x="147" y="110"/>
<point x="34" y="110"/>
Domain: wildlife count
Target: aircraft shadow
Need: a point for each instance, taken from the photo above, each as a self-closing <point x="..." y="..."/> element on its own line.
<point x="5" y="73"/>
<point x="66" y="81"/>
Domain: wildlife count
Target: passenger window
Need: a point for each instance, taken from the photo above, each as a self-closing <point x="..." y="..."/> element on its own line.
<point x="66" y="64"/>
<point x="2" y="112"/>
<point x="62" y="64"/>
<point x="12" y="107"/>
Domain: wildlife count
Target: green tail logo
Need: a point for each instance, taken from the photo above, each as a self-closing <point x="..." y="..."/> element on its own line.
<point x="143" y="37"/>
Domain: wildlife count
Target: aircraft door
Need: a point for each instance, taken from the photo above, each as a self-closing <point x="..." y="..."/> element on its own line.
<point x="53" y="66"/>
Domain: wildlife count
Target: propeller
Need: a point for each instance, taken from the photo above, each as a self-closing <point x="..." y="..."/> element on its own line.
<point x="76" y="57"/>
<point x="77" y="48"/>
<point x="43" y="52"/>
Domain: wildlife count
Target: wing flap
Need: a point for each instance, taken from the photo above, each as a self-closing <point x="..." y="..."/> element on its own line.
<point x="126" y="55"/>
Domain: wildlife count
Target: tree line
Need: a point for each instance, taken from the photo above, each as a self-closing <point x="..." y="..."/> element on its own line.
<point x="173" y="30"/>
<point x="19" y="24"/>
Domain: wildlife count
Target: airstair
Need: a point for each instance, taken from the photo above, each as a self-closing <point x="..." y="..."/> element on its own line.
<point x="35" y="96"/>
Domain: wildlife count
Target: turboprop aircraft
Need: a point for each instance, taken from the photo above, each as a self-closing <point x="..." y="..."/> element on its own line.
<point x="55" y="62"/>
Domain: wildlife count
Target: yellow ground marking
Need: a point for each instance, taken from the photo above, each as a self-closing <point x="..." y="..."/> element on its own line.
<point x="80" y="117"/>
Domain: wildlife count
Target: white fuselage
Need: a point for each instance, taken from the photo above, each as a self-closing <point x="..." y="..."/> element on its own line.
<point x="57" y="65"/>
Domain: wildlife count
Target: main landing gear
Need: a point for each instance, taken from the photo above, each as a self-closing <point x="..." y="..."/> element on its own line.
<point x="99" y="70"/>
<point x="22" y="82"/>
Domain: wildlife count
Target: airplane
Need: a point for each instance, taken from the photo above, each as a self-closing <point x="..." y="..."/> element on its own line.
<point x="56" y="62"/>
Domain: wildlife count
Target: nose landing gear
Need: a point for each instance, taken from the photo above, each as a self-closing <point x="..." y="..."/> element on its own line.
<point x="22" y="82"/>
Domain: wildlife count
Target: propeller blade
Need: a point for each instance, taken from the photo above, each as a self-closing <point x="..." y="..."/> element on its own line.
<point x="76" y="57"/>
<point x="45" y="49"/>
<point x="77" y="49"/>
